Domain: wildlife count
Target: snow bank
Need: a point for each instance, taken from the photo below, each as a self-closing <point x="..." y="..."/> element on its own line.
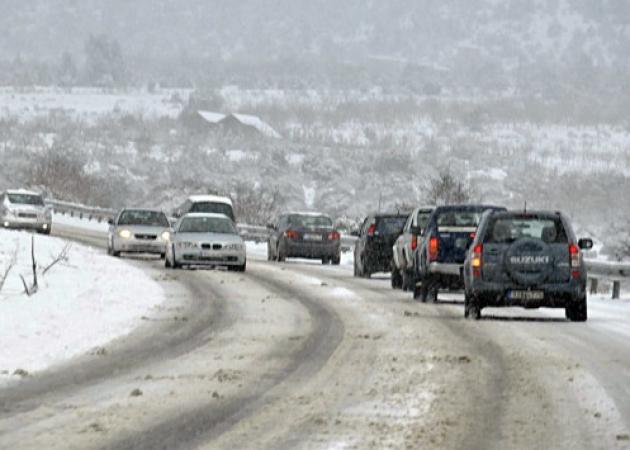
<point x="80" y="304"/>
<point x="75" y="222"/>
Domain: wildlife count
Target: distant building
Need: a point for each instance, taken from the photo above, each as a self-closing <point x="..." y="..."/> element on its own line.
<point x="233" y="123"/>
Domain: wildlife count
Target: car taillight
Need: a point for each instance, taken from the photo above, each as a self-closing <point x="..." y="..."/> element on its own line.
<point x="575" y="260"/>
<point x="414" y="242"/>
<point x="477" y="260"/>
<point x="333" y="236"/>
<point x="371" y="230"/>
<point x="291" y="234"/>
<point x="434" y="247"/>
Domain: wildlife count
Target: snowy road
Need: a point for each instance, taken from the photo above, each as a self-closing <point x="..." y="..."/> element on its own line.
<point x="298" y="355"/>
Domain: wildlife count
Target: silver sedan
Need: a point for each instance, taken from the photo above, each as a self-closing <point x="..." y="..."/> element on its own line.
<point x="205" y="239"/>
<point x="138" y="231"/>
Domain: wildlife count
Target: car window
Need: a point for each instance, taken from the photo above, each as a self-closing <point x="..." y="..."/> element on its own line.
<point x="140" y="217"/>
<point x="26" y="199"/>
<point x="207" y="225"/>
<point x="308" y="221"/>
<point x="459" y="218"/>
<point x="510" y="229"/>
<point x="422" y="219"/>
<point x="390" y="225"/>
<point x="212" y="207"/>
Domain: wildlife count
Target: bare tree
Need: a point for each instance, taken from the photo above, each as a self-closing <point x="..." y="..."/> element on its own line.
<point x="11" y="263"/>
<point x="32" y="289"/>
<point x="447" y="189"/>
<point x="61" y="257"/>
<point x="256" y="204"/>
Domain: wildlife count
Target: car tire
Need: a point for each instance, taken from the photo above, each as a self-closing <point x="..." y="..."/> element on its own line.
<point x="240" y="268"/>
<point x="407" y="283"/>
<point x="577" y="311"/>
<point x="270" y="255"/>
<point x="115" y="254"/>
<point x="167" y="262"/>
<point x="472" y="310"/>
<point x="162" y="255"/>
<point x="396" y="279"/>
<point x="325" y="261"/>
<point x="336" y="260"/>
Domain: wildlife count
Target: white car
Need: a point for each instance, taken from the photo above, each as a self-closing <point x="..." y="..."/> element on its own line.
<point x="206" y="239"/>
<point x="26" y="210"/>
<point x="138" y="231"/>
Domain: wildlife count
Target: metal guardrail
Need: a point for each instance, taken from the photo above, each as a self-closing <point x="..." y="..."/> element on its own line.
<point x="81" y="211"/>
<point x="610" y="271"/>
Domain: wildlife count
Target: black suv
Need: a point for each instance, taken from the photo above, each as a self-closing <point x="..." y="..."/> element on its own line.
<point x="449" y="232"/>
<point x="373" y="251"/>
<point x="529" y="259"/>
<point x="304" y="235"/>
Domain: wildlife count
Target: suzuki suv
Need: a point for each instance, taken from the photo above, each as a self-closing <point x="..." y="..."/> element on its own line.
<point x="528" y="259"/>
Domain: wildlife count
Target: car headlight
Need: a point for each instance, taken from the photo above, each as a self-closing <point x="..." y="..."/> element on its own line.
<point x="166" y="236"/>
<point x="125" y="234"/>
<point x="186" y="244"/>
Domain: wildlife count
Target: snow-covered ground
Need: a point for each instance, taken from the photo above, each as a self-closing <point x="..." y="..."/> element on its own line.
<point x="79" y="306"/>
<point x="89" y="103"/>
<point x="91" y="225"/>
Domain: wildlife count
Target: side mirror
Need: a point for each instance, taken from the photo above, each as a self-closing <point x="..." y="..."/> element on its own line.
<point x="585" y="244"/>
<point x="110" y="221"/>
<point x="271" y="226"/>
<point x="177" y="214"/>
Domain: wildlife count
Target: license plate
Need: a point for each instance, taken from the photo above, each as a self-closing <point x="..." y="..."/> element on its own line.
<point x="312" y="237"/>
<point x="527" y="295"/>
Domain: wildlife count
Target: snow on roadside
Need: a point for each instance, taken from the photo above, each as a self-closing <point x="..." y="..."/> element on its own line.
<point x="80" y="304"/>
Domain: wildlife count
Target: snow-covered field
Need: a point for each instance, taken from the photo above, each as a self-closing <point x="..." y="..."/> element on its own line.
<point x="79" y="305"/>
<point x="89" y="103"/>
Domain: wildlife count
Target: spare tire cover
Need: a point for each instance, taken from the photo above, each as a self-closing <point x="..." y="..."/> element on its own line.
<point x="529" y="261"/>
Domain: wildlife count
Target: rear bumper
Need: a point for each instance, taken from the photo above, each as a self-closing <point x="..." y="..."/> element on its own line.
<point x="312" y="250"/>
<point x="555" y="295"/>
<point x="446" y="269"/>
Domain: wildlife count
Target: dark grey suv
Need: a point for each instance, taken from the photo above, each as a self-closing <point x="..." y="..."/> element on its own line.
<point x="528" y="259"/>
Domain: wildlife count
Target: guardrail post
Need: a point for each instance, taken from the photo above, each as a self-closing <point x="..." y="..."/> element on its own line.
<point x="593" y="286"/>
<point x="616" y="291"/>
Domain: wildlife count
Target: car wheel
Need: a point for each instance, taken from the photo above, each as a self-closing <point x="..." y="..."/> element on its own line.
<point x="280" y="255"/>
<point x="115" y="254"/>
<point x="270" y="255"/>
<point x="472" y="310"/>
<point x="167" y="262"/>
<point x="162" y="255"/>
<point x="577" y="310"/>
<point x="396" y="278"/>
<point x="240" y="268"/>
<point x="325" y="261"/>
<point x="407" y="284"/>
<point x="336" y="260"/>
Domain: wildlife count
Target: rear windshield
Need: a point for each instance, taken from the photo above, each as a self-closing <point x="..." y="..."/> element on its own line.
<point x="509" y="229"/>
<point x="298" y="220"/>
<point x="423" y="219"/>
<point x="212" y="207"/>
<point x="207" y="225"/>
<point x="147" y="218"/>
<point x="467" y="219"/>
<point x="390" y="225"/>
<point x="26" y="199"/>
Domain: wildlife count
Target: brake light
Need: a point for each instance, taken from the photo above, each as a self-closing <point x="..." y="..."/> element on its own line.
<point x="575" y="260"/>
<point x="477" y="260"/>
<point x="472" y="235"/>
<point x="291" y="234"/>
<point x="371" y="230"/>
<point x="434" y="247"/>
<point x="333" y="236"/>
<point x="414" y="242"/>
